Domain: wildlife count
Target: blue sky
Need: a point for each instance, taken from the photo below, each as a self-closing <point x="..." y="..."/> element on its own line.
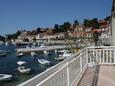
<point x="29" y="14"/>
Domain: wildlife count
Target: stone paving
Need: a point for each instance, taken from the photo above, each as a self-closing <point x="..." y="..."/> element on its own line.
<point x="106" y="76"/>
<point x="99" y="76"/>
<point x="87" y="79"/>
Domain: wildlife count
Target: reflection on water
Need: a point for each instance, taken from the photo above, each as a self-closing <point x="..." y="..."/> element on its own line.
<point x="8" y="65"/>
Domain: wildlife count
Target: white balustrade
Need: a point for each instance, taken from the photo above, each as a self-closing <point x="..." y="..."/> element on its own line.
<point x="101" y="55"/>
<point x="69" y="71"/>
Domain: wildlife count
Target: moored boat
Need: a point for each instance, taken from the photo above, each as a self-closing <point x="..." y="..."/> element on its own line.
<point x="3" y="53"/>
<point x="46" y="52"/>
<point x="42" y="45"/>
<point x="19" y="54"/>
<point x="33" y="53"/>
<point x="64" y="53"/>
<point x="5" y="77"/>
<point x="22" y="69"/>
<point x="43" y="61"/>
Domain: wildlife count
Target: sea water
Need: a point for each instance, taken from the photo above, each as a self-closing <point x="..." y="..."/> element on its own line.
<point x="8" y="65"/>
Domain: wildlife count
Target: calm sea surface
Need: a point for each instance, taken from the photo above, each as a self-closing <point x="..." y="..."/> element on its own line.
<point x="8" y="65"/>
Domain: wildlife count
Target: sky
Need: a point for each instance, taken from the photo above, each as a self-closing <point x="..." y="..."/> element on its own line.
<point x="30" y="14"/>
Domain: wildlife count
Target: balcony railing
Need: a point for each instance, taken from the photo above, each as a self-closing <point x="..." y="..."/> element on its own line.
<point x="70" y="71"/>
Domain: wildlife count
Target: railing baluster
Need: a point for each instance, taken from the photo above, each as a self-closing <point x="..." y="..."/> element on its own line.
<point x="114" y="56"/>
<point x="96" y="51"/>
<point x="103" y="56"/>
<point x="107" y="56"/>
<point x="68" y="78"/>
<point x="110" y="56"/>
<point x="80" y="62"/>
<point x="93" y="57"/>
<point x="100" y="57"/>
<point x="90" y="54"/>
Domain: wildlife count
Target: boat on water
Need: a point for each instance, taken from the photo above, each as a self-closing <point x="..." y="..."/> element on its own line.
<point x="3" y="53"/>
<point x="42" y="45"/>
<point x="23" y="69"/>
<point x="21" y="62"/>
<point x="19" y="54"/>
<point x="43" y="61"/>
<point x="33" y="53"/>
<point x="46" y="52"/>
<point x="7" y="43"/>
<point x="64" y="53"/>
<point x="60" y="58"/>
<point x="5" y="77"/>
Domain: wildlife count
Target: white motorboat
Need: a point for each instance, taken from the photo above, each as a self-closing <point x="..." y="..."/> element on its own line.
<point x="21" y="62"/>
<point x="43" y="45"/>
<point x="33" y="53"/>
<point x="22" y="69"/>
<point x="43" y="61"/>
<point x="46" y="52"/>
<point x="19" y="54"/>
<point x="5" y="77"/>
<point x="64" y="53"/>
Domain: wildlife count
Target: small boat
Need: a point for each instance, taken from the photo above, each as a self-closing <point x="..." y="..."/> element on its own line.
<point x="22" y="69"/>
<point x="56" y="51"/>
<point x="5" y="77"/>
<point x="27" y="46"/>
<point x="43" y="61"/>
<point x="19" y="54"/>
<point x="21" y="62"/>
<point x="6" y="43"/>
<point x="64" y="53"/>
<point x="46" y="52"/>
<point x="60" y="58"/>
<point x="33" y="53"/>
<point x="3" y="53"/>
<point x="43" y="45"/>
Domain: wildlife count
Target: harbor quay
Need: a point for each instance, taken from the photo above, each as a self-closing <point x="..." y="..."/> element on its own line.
<point x="47" y="48"/>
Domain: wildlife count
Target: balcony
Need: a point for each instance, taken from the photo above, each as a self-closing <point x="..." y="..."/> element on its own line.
<point x="92" y="66"/>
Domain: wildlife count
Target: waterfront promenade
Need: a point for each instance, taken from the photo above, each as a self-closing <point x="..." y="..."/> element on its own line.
<point x="47" y="48"/>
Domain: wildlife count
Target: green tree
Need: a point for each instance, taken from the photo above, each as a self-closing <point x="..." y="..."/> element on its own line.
<point x="95" y="23"/>
<point x="61" y="28"/>
<point x="66" y="26"/>
<point x="2" y="38"/>
<point x="56" y="28"/>
<point x="76" y="23"/>
<point x="87" y="23"/>
<point x="13" y="36"/>
<point x="91" y="23"/>
<point x="38" y="30"/>
<point x="107" y="18"/>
